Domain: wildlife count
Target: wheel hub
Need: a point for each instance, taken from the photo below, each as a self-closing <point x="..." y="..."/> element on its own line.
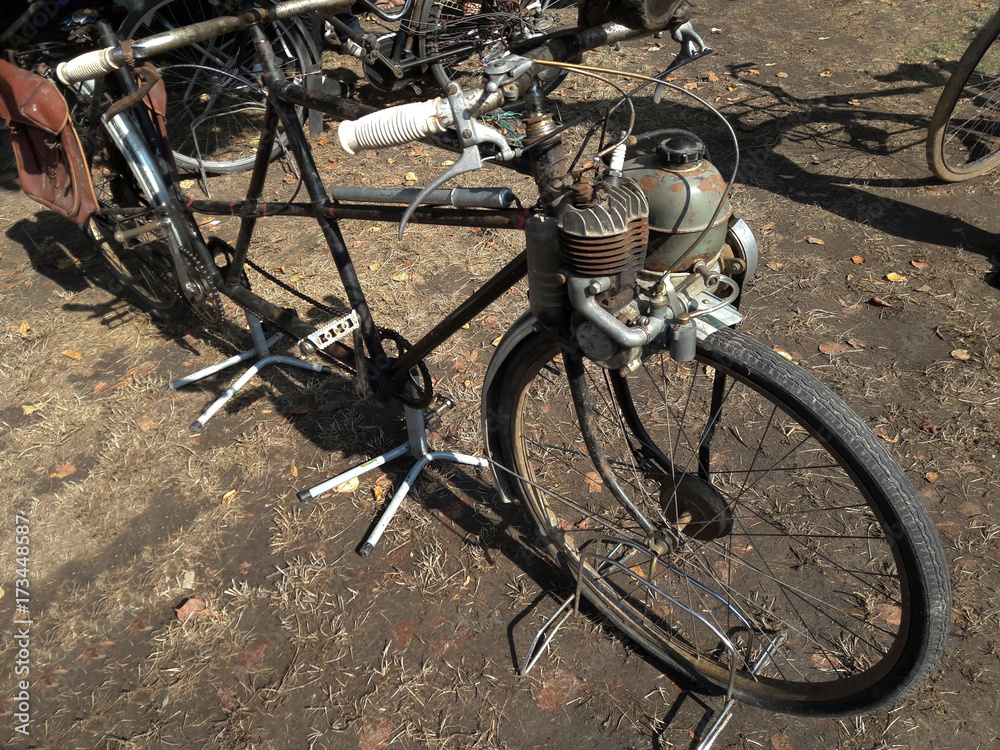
<point x="696" y="507"/>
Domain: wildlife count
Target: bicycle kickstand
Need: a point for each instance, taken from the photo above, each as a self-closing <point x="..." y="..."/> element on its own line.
<point x="261" y="350"/>
<point x="416" y="445"/>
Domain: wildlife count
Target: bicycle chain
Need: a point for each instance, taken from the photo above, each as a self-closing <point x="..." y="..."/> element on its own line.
<point x="207" y="304"/>
<point x="426" y="387"/>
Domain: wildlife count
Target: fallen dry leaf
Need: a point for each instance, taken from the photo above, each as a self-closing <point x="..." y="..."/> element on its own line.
<point x="594" y="482"/>
<point x="229" y="496"/>
<point x="879" y="302"/>
<point x="349" y="486"/>
<point x="401" y="276"/>
<point x="924" y="288"/>
<point x="961" y="354"/>
<point x="374" y="266"/>
<point x="782" y="75"/>
<point x="147" y="423"/>
<point x="814" y="240"/>
<point x="893" y="276"/>
<point x="931" y="476"/>
<point x="833" y="348"/>
<point x="294" y="469"/>
<point x="858" y="259"/>
<point x="24" y="329"/>
<point x="712" y="77"/>
<point x="775" y="265"/>
<point x="410" y="177"/>
<point x="854" y="102"/>
<point x="784" y="354"/>
<point x="883" y="433"/>
<point x="891" y="614"/>
<point x="63" y="470"/>
<point x="769" y="225"/>
<point x="921" y="264"/>
<point x="192" y="608"/>
<point x="825" y="74"/>
<point x="375" y="733"/>
<point x="298" y="411"/>
<point x="30" y="409"/>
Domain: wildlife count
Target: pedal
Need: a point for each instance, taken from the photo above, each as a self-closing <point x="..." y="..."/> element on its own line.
<point x="445" y="405"/>
<point x="334" y="331"/>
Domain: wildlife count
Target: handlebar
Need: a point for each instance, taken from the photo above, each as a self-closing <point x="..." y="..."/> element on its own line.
<point x="100" y="62"/>
<point x="395" y="126"/>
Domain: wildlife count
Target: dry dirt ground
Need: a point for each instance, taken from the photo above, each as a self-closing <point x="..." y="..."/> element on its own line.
<point x="302" y="643"/>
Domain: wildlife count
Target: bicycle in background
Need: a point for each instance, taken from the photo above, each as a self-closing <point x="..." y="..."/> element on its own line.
<point x="963" y="140"/>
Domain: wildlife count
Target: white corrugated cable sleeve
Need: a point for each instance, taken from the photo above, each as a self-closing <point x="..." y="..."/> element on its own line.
<point x="87" y="66"/>
<point x="394" y="126"/>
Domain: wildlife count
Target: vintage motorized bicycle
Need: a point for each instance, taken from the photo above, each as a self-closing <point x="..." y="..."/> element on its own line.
<point x="727" y="512"/>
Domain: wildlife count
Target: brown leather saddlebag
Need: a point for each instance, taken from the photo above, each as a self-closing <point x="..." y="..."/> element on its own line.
<point x="49" y="156"/>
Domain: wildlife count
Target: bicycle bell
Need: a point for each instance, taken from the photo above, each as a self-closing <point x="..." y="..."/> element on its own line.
<point x="683" y="189"/>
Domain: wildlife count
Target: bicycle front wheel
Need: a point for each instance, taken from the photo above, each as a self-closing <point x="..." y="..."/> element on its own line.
<point x="215" y="101"/>
<point x="963" y="140"/>
<point x="787" y="554"/>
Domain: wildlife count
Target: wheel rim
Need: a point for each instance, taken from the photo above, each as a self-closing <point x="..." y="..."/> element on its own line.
<point x="215" y="102"/>
<point x="472" y="34"/>
<point x="971" y="138"/>
<point x="806" y="569"/>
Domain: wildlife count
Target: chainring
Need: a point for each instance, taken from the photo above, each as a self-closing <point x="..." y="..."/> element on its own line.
<point x="204" y="299"/>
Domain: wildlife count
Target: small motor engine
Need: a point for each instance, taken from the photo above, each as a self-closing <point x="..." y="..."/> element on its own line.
<point x="602" y="269"/>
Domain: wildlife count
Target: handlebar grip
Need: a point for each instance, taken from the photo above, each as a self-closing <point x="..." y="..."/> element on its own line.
<point x="88" y="66"/>
<point x="291" y="8"/>
<point x="395" y="126"/>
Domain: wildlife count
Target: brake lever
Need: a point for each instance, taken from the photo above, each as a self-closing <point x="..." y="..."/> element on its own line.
<point x="470" y="135"/>
<point x="692" y="48"/>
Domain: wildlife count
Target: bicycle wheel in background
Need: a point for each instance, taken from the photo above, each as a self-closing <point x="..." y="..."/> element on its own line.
<point x="782" y="526"/>
<point x="473" y="34"/>
<point x="963" y="140"/>
<point x="215" y="100"/>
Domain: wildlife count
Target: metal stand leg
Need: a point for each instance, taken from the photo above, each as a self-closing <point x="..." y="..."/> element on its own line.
<point x="727" y="710"/>
<point x="415" y="446"/>
<point x="261" y="350"/>
<point x="547" y="632"/>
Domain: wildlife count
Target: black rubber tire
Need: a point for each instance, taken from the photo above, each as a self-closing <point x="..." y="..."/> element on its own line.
<point x="787" y="512"/>
<point x="477" y="33"/>
<point x="963" y="140"/>
<point x="141" y="264"/>
<point x="225" y="140"/>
